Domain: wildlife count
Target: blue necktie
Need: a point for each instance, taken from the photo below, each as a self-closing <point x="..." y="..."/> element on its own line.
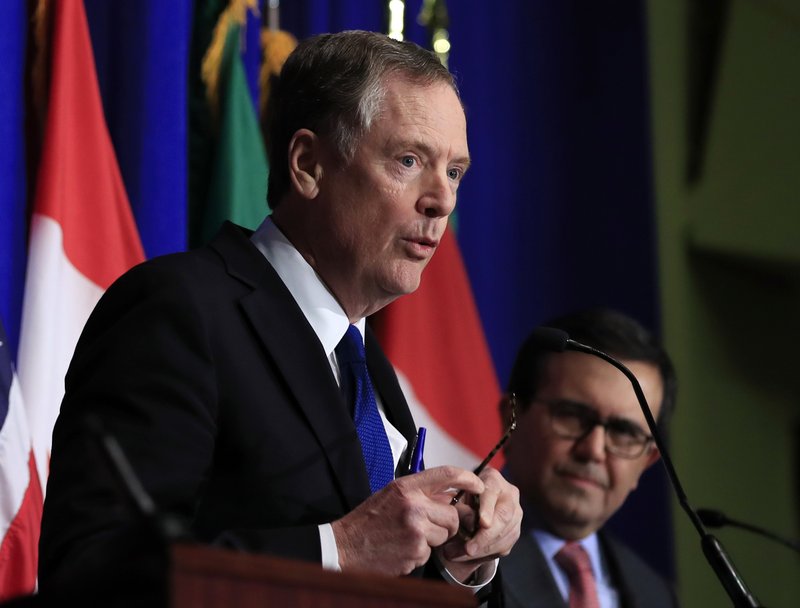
<point x="357" y="388"/>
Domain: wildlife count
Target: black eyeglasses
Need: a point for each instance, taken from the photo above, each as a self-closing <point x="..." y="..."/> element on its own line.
<point x="573" y="420"/>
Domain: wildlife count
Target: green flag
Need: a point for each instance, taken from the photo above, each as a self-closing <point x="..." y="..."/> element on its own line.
<point x="238" y="188"/>
<point x="229" y="180"/>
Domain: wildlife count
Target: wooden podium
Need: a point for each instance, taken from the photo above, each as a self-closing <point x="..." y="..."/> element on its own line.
<point x="206" y="577"/>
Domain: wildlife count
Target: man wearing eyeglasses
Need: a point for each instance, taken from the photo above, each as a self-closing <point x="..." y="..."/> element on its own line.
<point x="580" y="446"/>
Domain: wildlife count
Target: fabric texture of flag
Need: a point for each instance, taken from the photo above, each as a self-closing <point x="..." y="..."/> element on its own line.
<point x="235" y="158"/>
<point x="82" y="233"/>
<point x="20" y="491"/>
<point x="434" y="339"/>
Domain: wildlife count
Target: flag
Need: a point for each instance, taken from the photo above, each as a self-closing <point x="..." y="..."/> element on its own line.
<point x="82" y="233"/>
<point x="436" y="344"/>
<point x="20" y="491"/>
<point x="236" y="160"/>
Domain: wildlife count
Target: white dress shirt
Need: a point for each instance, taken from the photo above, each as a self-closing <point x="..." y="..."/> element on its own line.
<point x="330" y="323"/>
<point x="551" y="545"/>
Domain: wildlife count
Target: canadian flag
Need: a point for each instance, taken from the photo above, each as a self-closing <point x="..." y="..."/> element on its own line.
<point x="435" y="341"/>
<point x="82" y="233"/>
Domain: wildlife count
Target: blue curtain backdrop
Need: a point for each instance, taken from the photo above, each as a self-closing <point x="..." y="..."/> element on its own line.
<point x="556" y="214"/>
<point x="13" y="187"/>
<point x="142" y="55"/>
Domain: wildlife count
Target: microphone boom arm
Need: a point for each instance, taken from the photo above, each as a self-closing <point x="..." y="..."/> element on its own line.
<point x="717" y="557"/>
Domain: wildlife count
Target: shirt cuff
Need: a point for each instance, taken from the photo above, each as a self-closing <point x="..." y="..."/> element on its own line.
<point x="479" y="579"/>
<point x="330" y="553"/>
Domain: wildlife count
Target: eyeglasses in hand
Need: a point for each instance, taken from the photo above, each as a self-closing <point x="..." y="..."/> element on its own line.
<point x="512" y="400"/>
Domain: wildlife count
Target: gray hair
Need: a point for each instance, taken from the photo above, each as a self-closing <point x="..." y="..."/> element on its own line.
<point x="335" y="85"/>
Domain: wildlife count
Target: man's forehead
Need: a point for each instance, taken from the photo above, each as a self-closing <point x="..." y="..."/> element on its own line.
<point x="598" y="382"/>
<point x="419" y="114"/>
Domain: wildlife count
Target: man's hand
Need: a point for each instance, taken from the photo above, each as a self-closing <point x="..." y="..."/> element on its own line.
<point x="393" y="531"/>
<point x="498" y="527"/>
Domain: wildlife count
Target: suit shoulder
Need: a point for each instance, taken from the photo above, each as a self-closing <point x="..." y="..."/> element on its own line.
<point x="636" y="577"/>
<point x="229" y="258"/>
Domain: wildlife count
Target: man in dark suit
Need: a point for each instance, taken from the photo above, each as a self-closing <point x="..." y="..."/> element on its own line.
<point x="219" y="370"/>
<point x="579" y="449"/>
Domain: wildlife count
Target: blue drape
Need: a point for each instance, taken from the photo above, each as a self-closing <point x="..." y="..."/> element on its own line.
<point x="142" y="56"/>
<point x="13" y="188"/>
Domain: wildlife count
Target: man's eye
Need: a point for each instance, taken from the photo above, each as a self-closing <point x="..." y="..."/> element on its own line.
<point x="578" y="414"/>
<point x="454" y="174"/>
<point x="625" y="429"/>
<point x="408" y="161"/>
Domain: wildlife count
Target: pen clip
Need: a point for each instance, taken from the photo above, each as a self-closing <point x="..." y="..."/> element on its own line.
<point x="417" y="464"/>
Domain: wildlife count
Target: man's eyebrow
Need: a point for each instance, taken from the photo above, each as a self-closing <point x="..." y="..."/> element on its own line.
<point x="574" y="403"/>
<point x="590" y="408"/>
<point x="627" y="422"/>
<point x="428" y="150"/>
<point x="464" y="161"/>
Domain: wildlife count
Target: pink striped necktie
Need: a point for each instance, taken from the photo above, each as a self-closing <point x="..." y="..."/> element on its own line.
<point x="574" y="560"/>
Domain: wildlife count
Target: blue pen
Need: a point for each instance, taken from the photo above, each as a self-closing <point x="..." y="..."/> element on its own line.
<point x="417" y="464"/>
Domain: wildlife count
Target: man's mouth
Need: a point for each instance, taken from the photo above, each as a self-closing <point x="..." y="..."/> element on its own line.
<point x="421" y="247"/>
<point x="582" y="478"/>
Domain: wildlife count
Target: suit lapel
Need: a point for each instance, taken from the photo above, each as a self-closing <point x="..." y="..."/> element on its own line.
<point x="294" y="348"/>
<point x="527" y="580"/>
<point x="616" y="570"/>
<point x="385" y="383"/>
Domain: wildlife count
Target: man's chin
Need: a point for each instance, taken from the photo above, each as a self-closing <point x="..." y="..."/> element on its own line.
<point x="405" y="280"/>
<point x="573" y="518"/>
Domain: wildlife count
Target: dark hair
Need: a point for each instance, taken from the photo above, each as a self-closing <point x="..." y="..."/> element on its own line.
<point x="607" y="330"/>
<point x="334" y="85"/>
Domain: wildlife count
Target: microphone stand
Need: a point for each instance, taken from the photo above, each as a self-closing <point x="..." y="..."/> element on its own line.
<point x="715" y="553"/>
<point x="167" y="527"/>
<point x="716" y="519"/>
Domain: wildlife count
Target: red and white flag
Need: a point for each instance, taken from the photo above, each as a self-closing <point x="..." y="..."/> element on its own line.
<point x="435" y="341"/>
<point x="82" y="235"/>
<point x="20" y="492"/>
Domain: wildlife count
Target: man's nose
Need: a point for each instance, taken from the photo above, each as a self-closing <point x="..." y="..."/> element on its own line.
<point x="438" y="198"/>
<point x="592" y="446"/>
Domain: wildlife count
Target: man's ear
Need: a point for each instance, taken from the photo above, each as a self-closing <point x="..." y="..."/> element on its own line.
<point x="652" y="457"/>
<point x="305" y="170"/>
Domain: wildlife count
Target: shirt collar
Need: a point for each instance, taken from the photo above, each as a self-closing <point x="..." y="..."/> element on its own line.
<point x="320" y="308"/>
<point x="551" y="544"/>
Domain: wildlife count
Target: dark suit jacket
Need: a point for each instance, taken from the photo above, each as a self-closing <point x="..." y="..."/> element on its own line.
<point x="528" y="582"/>
<point x="204" y="368"/>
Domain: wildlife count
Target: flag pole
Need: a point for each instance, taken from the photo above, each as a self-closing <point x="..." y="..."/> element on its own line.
<point x="433" y="15"/>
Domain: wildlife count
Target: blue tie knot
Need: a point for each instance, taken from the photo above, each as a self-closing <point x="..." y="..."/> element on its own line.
<point x="351" y="347"/>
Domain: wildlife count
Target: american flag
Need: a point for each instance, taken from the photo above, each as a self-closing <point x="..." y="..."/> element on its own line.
<point x="20" y="490"/>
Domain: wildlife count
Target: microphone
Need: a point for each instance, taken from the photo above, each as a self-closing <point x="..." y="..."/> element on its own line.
<point x="716" y="519"/>
<point x="556" y="340"/>
<point x="167" y="527"/>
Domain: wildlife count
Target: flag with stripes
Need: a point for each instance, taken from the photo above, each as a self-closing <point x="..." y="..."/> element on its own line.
<point x="20" y="492"/>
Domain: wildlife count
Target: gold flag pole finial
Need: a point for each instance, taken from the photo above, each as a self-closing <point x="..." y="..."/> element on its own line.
<point x="276" y="46"/>
<point x="234" y="14"/>
<point x="433" y="15"/>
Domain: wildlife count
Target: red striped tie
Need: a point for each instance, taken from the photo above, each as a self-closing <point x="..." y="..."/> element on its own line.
<point x="574" y="560"/>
